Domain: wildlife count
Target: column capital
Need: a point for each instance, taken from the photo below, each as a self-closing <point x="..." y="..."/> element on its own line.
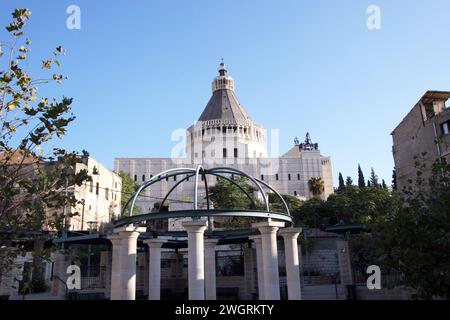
<point x="256" y="237"/>
<point x="290" y="233"/>
<point x="196" y="226"/>
<point x="268" y="227"/>
<point x="114" y="238"/>
<point x="129" y="231"/>
<point x="210" y="242"/>
<point x="155" y="243"/>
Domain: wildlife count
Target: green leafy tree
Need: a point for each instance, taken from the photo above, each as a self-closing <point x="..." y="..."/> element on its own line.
<point x="36" y="181"/>
<point x="129" y="186"/>
<point x="361" y="179"/>
<point x="416" y="238"/>
<point x="226" y="195"/>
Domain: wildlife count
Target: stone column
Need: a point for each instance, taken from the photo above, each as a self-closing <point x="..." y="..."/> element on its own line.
<point x="124" y="271"/>
<point x="196" y="259"/>
<point x="105" y="264"/>
<point x="154" y="268"/>
<point x="290" y="236"/>
<point x="210" y="269"/>
<point x="259" y="265"/>
<point x="268" y="232"/>
<point x="115" y="293"/>
<point x="60" y="264"/>
<point x="345" y="262"/>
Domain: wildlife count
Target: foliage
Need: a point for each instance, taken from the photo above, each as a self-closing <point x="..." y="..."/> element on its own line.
<point x="361" y="179"/>
<point x="226" y="195"/>
<point x="416" y="239"/>
<point x="316" y="186"/>
<point x="36" y="181"/>
<point x="348" y="205"/>
<point x="341" y="182"/>
<point x="129" y="187"/>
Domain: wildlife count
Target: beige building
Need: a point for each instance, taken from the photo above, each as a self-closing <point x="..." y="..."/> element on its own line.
<point x="225" y="135"/>
<point x="425" y="129"/>
<point x="100" y="198"/>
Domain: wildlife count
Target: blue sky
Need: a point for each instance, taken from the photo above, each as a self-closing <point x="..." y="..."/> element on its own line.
<point x="140" y="69"/>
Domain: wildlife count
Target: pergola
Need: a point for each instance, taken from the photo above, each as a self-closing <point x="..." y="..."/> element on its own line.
<point x="201" y="240"/>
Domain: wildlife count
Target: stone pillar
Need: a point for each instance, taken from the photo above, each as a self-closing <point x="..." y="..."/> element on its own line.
<point x="105" y="264"/>
<point x="345" y="263"/>
<point x="290" y="236"/>
<point x="154" y="268"/>
<point x="60" y="263"/>
<point x="250" y="276"/>
<point x="259" y="265"/>
<point x="210" y="269"/>
<point x="268" y="232"/>
<point x="124" y="271"/>
<point x="196" y="259"/>
<point x="115" y="293"/>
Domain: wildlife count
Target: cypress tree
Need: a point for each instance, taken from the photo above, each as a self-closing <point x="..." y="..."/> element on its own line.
<point x="361" y="179"/>
<point x="349" y="182"/>
<point x="341" y="182"/>
<point x="373" y="179"/>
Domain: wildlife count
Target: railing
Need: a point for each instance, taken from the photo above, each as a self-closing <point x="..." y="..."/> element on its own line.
<point x="93" y="277"/>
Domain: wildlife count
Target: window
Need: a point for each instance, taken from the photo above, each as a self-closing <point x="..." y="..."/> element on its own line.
<point x="276" y="176"/>
<point x="167" y="178"/>
<point x="174" y="178"/>
<point x="235" y="152"/>
<point x="143" y="177"/>
<point x="187" y="178"/>
<point x="262" y="177"/>
<point x="445" y="128"/>
<point x="224" y="152"/>
<point x="107" y="194"/>
<point x="298" y="176"/>
<point x="115" y="185"/>
<point x="135" y="177"/>
<point x="203" y="154"/>
<point x="97" y="187"/>
<point x="295" y="193"/>
<point x="91" y="187"/>
<point x="289" y="177"/>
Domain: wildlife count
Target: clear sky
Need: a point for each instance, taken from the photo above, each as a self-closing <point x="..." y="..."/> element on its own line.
<point x="140" y="69"/>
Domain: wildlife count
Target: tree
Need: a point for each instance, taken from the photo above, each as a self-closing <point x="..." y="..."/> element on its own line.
<point x="129" y="187"/>
<point x="373" y="179"/>
<point x="36" y="182"/>
<point x="341" y="182"/>
<point x="348" y="182"/>
<point x="316" y="186"/>
<point x="226" y="195"/>
<point x="416" y="237"/>
<point x="361" y="179"/>
<point x="383" y="184"/>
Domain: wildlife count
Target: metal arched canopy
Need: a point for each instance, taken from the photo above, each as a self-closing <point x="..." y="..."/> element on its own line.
<point x="196" y="213"/>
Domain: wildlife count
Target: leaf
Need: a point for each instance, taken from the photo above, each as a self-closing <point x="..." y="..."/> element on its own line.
<point x="11" y="105"/>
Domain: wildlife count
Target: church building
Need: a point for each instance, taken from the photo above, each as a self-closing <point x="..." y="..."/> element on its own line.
<point x="226" y="136"/>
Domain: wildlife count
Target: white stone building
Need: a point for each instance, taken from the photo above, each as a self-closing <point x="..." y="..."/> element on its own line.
<point x="100" y="198"/>
<point x="225" y="135"/>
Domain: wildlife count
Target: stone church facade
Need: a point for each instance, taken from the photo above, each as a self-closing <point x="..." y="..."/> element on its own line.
<point x="226" y="136"/>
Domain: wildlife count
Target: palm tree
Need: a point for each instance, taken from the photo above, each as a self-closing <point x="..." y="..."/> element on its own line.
<point x="316" y="186"/>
